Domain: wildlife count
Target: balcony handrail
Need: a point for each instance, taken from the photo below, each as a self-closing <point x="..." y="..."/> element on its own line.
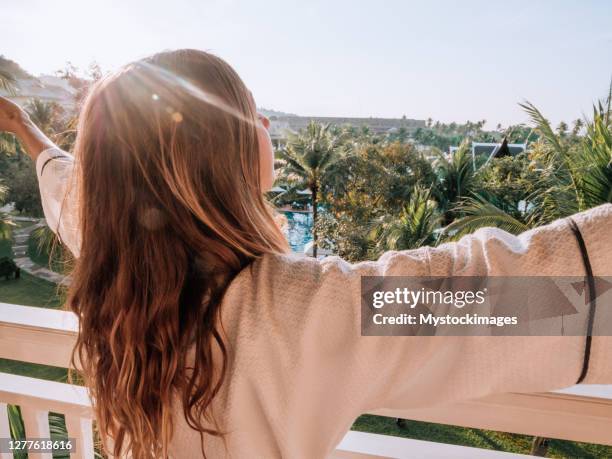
<point x="37" y="335"/>
<point x="54" y="396"/>
<point x="578" y="413"/>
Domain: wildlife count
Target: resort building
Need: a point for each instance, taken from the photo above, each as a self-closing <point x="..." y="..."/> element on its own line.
<point x="483" y="152"/>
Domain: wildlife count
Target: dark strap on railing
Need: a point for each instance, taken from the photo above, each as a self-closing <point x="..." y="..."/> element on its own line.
<point x="592" y="298"/>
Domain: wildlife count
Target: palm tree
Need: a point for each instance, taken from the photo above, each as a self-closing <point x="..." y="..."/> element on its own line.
<point x="51" y="118"/>
<point x="592" y="169"/>
<point x="577" y="127"/>
<point x="307" y="158"/>
<point x="413" y="228"/>
<point x="42" y="113"/>
<point x="585" y="169"/>
<point x="455" y="179"/>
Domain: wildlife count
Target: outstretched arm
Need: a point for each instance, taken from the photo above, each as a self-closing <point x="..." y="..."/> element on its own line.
<point x="15" y="120"/>
<point x="317" y="307"/>
<point x="54" y="169"/>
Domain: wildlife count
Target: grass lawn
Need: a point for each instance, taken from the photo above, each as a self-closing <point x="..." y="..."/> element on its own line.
<point x="30" y="291"/>
<point x="487" y="439"/>
<point x="27" y="290"/>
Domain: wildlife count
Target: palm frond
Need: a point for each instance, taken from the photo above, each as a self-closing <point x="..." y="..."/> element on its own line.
<point x="413" y="228"/>
<point x="543" y="126"/>
<point x="7" y="82"/>
<point x="592" y="167"/>
<point x="480" y="213"/>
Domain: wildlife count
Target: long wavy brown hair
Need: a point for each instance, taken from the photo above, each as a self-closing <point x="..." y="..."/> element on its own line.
<point x="171" y="209"/>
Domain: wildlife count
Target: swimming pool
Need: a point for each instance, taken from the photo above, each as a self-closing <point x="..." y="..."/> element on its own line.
<point x="299" y="229"/>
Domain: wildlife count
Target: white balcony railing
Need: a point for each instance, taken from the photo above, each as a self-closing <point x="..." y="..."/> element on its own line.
<point x="580" y="413"/>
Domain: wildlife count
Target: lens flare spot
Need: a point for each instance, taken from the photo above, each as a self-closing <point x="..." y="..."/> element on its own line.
<point x="155" y="97"/>
<point x="151" y="218"/>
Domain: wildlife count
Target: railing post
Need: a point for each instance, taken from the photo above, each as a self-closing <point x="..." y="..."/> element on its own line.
<point x="5" y="430"/>
<point x="81" y="429"/>
<point x="36" y="423"/>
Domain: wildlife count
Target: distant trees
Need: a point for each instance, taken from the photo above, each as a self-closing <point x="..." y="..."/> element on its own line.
<point x="382" y="193"/>
<point x="80" y="81"/>
<point x="443" y="136"/>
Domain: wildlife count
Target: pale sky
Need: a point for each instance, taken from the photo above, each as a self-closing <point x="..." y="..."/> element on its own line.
<point x="448" y="60"/>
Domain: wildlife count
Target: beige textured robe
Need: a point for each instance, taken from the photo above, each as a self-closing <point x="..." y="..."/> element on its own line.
<point x="300" y="372"/>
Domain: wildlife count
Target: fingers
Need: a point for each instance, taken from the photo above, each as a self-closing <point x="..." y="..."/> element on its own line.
<point x="12" y="116"/>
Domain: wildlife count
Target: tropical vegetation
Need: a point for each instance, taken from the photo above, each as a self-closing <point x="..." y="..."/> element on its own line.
<point x="375" y="192"/>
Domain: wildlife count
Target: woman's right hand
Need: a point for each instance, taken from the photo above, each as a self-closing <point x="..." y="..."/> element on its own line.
<point x="12" y="117"/>
<point x="15" y="120"/>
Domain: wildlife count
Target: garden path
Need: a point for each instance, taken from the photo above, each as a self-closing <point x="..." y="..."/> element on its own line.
<point x="20" y="251"/>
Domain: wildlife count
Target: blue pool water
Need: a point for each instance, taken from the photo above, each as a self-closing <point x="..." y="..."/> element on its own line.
<point x="299" y="230"/>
